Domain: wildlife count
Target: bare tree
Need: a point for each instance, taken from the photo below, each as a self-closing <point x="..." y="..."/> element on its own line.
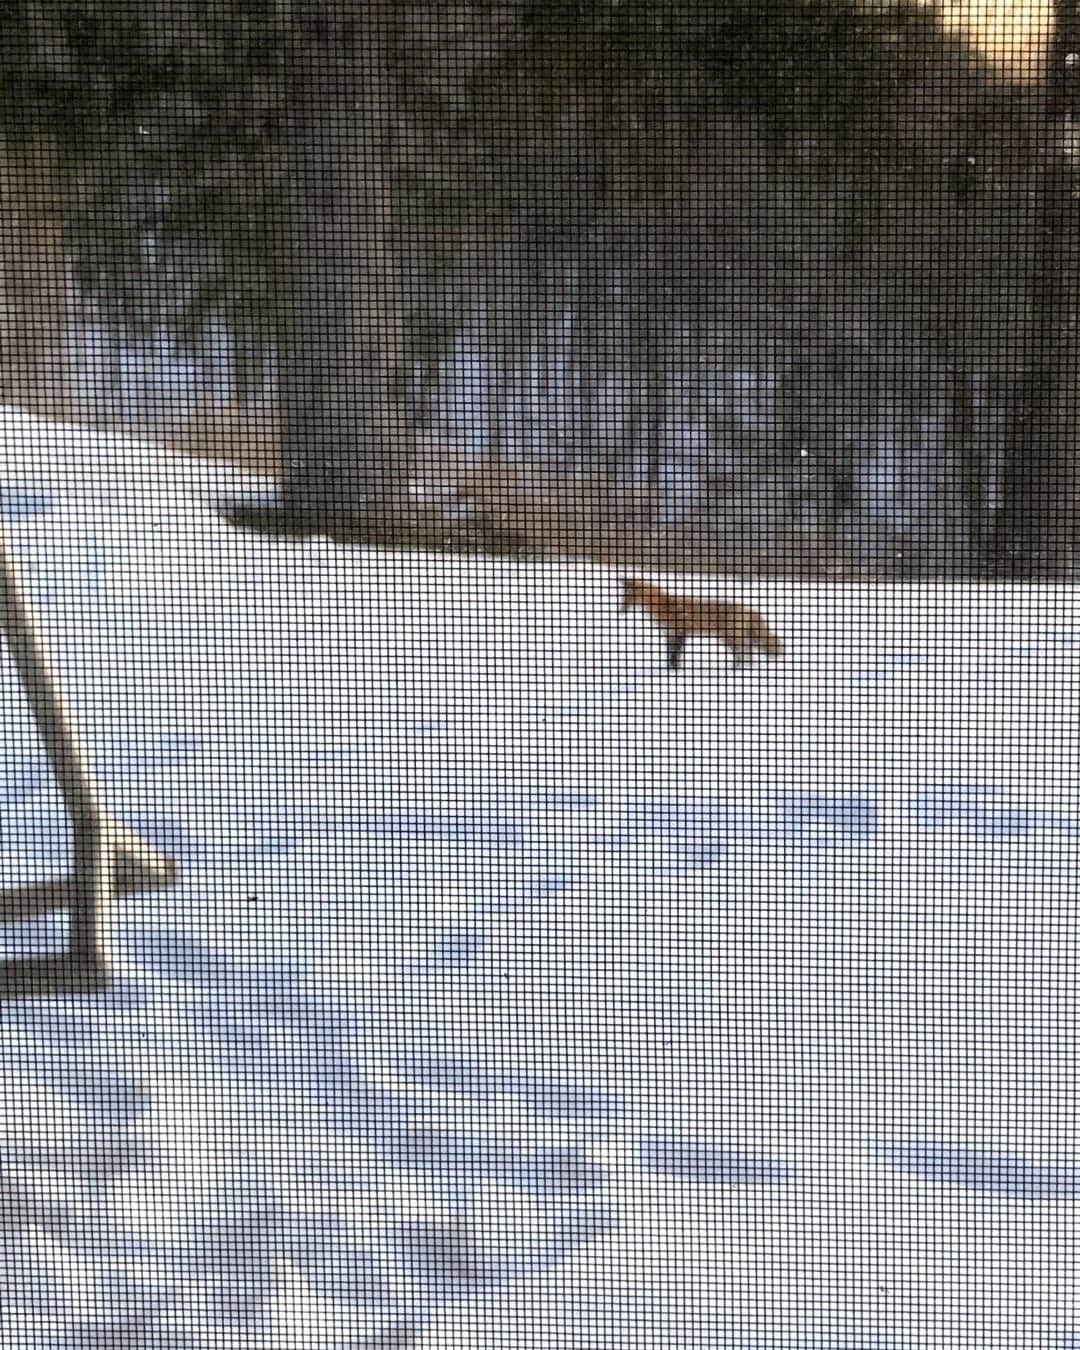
<point x="107" y="857"/>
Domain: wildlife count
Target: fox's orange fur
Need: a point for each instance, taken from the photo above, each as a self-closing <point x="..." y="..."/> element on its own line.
<point x="742" y="629"/>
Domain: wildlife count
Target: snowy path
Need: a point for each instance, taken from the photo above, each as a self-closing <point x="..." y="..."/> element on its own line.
<point x="517" y="991"/>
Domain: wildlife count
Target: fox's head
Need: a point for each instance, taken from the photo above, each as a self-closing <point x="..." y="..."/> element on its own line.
<point x="630" y="594"/>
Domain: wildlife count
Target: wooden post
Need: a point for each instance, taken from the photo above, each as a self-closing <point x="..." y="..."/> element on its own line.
<point x="106" y="855"/>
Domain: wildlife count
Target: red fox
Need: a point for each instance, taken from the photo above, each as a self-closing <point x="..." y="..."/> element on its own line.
<point x="740" y="628"/>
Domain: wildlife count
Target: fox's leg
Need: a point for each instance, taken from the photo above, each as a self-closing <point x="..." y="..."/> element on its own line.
<point x="739" y="654"/>
<point x="675" y="644"/>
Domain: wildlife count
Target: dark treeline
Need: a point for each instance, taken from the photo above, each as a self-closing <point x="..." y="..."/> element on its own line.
<point x="797" y="267"/>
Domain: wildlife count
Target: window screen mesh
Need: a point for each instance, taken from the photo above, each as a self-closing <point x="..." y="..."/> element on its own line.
<point x="538" y="686"/>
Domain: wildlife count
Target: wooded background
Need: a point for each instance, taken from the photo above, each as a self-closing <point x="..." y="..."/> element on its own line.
<point x="764" y="285"/>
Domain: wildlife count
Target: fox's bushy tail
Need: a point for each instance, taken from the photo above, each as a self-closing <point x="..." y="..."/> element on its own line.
<point x="767" y="640"/>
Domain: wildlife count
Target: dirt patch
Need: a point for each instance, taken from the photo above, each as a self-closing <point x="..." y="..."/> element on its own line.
<point x="245" y="435"/>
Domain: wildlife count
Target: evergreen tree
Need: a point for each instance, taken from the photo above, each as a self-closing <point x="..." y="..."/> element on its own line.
<point x="168" y="123"/>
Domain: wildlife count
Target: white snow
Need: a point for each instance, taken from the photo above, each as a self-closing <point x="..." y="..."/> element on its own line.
<point x="515" y="989"/>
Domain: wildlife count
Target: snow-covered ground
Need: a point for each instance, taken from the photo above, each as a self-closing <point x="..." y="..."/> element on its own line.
<point x="516" y="990"/>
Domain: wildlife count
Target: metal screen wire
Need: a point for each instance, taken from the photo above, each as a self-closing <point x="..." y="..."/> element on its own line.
<point x="538" y="675"/>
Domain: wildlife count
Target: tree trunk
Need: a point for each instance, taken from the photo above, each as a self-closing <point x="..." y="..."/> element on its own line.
<point x="36" y="286"/>
<point x="1034" y="533"/>
<point x="970" y="550"/>
<point x="344" y="444"/>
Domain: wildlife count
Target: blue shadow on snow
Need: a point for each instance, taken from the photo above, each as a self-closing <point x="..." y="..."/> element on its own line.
<point x="998" y="1173"/>
<point x="23" y="505"/>
<point x="548" y="1099"/>
<point x="441" y="1258"/>
<point x="980" y="810"/>
<point x="538" y="1172"/>
<point x="701" y="831"/>
<point x="295" y="827"/>
<point x="693" y="1160"/>
<point x="454" y="948"/>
